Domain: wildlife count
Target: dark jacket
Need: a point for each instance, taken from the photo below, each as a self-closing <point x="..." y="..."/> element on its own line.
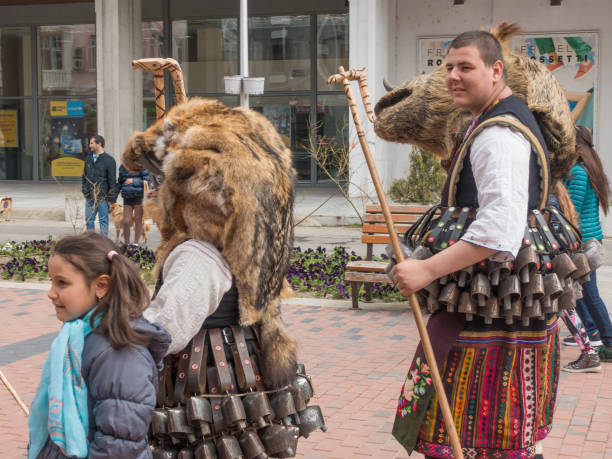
<point x="101" y="173"/>
<point x="122" y="388"/>
<point x="136" y="188"/>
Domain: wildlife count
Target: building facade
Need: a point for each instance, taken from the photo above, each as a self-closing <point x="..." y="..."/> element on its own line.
<point x="65" y="69"/>
<point x="65" y="73"/>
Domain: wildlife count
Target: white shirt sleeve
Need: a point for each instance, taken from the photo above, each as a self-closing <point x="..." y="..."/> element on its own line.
<point x="196" y="277"/>
<point x="500" y="164"/>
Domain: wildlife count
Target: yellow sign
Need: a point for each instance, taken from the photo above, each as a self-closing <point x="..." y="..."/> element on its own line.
<point x="8" y="128"/>
<point x="67" y="167"/>
<point x="59" y="108"/>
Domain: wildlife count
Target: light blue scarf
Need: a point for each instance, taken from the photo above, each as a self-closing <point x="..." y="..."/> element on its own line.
<point x="59" y="409"/>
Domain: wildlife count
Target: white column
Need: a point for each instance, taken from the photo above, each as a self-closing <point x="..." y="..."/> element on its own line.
<point x="119" y="88"/>
<point x="244" y="49"/>
<point x="372" y="45"/>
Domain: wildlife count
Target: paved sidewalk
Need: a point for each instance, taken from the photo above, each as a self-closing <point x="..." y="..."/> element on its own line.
<point x="357" y="359"/>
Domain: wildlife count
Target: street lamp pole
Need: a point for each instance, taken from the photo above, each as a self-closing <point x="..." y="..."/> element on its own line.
<point x="244" y="50"/>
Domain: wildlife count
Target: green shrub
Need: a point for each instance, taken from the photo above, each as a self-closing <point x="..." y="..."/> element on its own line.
<point x="424" y="183"/>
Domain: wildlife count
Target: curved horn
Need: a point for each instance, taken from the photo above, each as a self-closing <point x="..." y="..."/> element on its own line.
<point x="388" y="86"/>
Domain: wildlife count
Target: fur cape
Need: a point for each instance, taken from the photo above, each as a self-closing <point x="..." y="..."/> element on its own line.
<point x="421" y="111"/>
<point x="228" y="180"/>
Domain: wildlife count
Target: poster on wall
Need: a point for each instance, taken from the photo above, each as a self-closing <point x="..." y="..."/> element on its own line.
<point x="432" y="52"/>
<point x="67" y="136"/>
<point x="8" y="129"/>
<point x="573" y="58"/>
<point x="67" y="126"/>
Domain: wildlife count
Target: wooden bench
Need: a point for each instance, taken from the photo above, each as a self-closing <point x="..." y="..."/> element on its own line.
<point x="374" y="231"/>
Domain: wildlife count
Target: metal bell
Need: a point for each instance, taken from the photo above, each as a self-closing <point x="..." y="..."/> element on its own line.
<point x="311" y="419"/>
<point x="283" y="406"/>
<point x="294" y="434"/>
<point x="480" y="289"/>
<point x="431" y="293"/>
<point x="464" y="276"/>
<point x="199" y="414"/>
<point x="206" y="450"/>
<point x="257" y="408"/>
<point x="251" y="445"/>
<point x="594" y="252"/>
<point x="228" y="447"/>
<point x="582" y="267"/>
<point x="467" y="306"/>
<point x="567" y="300"/>
<point x="498" y="272"/>
<point x="577" y="289"/>
<point x="185" y="453"/>
<point x="276" y="439"/>
<point x="449" y="296"/>
<point x="534" y="290"/>
<point x="491" y="310"/>
<point x="159" y="424"/>
<point x="526" y="261"/>
<point x="444" y="279"/>
<point x="563" y="265"/>
<point x="514" y="311"/>
<point x="163" y="453"/>
<point x="178" y="426"/>
<point x="233" y="412"/>
<point x="509" y="291"/>
<point x="553" y="289"/>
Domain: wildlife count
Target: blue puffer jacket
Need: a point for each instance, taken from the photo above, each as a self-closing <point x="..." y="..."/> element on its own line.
<point x="136" y="188"/>
<point x="585" y="201"/>
<point x="122" y="388"/>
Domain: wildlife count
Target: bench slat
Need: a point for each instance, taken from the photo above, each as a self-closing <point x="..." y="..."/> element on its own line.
<point x="382" y="229"/>
<point x="397" y="218"/>
<point x="355" y="276"/>
<point x="416" y="209"/>
<point x="367" y="266"/>
<point x="376" y="239"/>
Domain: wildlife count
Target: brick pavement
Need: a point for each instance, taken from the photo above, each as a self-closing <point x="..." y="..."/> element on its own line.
<point x="357" y="360"/>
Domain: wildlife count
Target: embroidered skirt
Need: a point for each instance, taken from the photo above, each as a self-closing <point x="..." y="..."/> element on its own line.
<point x="502" y="386"/>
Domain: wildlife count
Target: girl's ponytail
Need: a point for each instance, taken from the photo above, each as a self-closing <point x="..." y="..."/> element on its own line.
<point x="95" y="255"/>
<point x="126" y="299"/>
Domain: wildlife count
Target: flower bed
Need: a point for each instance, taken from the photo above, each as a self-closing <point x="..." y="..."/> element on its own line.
<point x="311" y="271"/>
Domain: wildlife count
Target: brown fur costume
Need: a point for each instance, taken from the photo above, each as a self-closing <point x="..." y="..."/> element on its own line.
<point x="228" y="180"/>
<point x="421" y="111"/>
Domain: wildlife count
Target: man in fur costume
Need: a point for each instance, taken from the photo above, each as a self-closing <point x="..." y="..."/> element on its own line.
<point x="500" y="369"/>
<point x="225" y="214"/>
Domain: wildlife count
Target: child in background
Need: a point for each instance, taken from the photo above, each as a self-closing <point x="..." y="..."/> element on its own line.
<point x="98" y="386"/>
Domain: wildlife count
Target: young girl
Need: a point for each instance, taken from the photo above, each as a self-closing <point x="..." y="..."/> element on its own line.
<point x="99" y="382"/>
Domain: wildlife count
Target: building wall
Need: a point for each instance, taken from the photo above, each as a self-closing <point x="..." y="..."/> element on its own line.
<point x="407" y="21"/>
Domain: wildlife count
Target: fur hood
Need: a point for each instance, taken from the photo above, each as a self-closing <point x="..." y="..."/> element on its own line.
<point x="228" y="180"/>
<point x="421" y="111"/>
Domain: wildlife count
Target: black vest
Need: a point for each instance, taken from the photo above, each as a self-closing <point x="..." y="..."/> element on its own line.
<point x="227" y="313"/>
<point x="467" y="193"/>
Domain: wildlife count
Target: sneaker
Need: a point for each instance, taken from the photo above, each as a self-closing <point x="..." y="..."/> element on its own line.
<point x="586" y="363"/>
<point x="595" y="339"/>
<point x="569" y="341"/>
<point x="605" y="353"/>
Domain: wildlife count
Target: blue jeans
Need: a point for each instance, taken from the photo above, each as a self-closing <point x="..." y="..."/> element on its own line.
<point x="90" y="215"/>
<point x="593" y="311"/>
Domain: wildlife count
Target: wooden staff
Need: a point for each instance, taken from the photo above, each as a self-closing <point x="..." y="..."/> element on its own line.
<point x="14" y="393"/>
<point x="158" y="65"/>
<point x="345" y="78"/>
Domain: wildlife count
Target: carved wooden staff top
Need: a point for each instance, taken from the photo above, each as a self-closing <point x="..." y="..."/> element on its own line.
<point x="158" y="65"/>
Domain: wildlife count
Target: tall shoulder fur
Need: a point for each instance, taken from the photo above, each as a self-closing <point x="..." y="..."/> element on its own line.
<point x="228" y="180"/>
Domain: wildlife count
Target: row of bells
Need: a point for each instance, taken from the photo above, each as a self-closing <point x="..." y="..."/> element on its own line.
<point x="528" y="288"/>
<point x="252" y="425"/>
